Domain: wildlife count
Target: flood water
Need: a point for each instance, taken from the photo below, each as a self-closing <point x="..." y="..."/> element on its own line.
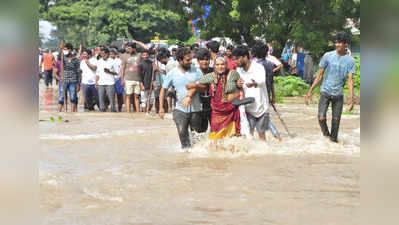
<point x="128" y="169"/>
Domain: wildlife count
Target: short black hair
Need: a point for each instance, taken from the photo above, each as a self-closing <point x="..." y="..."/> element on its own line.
<point x="145" y="51"/>
<point x="213" y="46"/>
<point x="241" y="50"/>
<point x="68" y="46"/>
<point x="88" y="51"/>
<point x="163" y="53"/>
<point x="342" y="36"/>
<point x="260" y="49"/>
<point x="174" y="49"/>
<point x="181" y="52"/>
<point x="131" y="44"/>
<point x="230" y="47"/>
<point x="105" y="49"/>
<point x="203" y="53"/>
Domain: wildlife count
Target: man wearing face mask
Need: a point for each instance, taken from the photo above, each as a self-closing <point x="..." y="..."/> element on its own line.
<point x="179" y="77"/>
<point x="72" y="79"/>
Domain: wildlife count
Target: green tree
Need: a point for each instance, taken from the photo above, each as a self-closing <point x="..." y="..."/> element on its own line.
<point x="311" y="23"/>
<point x="102" y="21"/>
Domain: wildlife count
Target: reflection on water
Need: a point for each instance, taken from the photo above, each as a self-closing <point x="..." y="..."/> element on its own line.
<point x="119" y="169"/>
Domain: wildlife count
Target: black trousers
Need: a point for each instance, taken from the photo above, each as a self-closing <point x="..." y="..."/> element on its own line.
<point x="183" y="122"/>
<point x="337" y="106"/>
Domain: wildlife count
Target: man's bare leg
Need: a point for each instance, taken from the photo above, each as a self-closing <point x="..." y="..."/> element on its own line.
<point x="137" y="102"/>
<point x="262" y="136"/>
<point x="59" y="108"/>
<point x="74" y="108"/>
<point x="127" y="103"/>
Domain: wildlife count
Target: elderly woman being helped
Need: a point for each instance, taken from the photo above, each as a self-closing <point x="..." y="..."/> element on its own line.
<point x="222" y="83"/>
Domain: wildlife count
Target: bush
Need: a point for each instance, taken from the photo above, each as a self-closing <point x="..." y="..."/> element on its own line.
<point x="290" y="86"/>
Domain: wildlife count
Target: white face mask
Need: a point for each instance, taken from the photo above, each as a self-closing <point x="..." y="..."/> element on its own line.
<point x="66" y="52"/>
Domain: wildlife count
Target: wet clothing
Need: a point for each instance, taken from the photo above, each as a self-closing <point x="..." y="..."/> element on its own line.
<point x="225" y="118"/>
<point x="179" y="80"/>
<point x="185" y="116"/>
<point x="183" y="121"/>
<point x="337" y="106"/>
<point x="260" y="123"/>
<point x="257" y="73"/>
<point x="70" y="88"/>
<point x="337" y="68"/>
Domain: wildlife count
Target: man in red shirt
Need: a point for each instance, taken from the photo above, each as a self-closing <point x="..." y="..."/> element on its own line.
<point x="48" y="63"/>
<point x="231" y="63"/>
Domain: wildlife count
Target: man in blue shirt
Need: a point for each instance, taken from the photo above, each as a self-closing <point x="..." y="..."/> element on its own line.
<point x="336" y="66"/>
<point x="179" y="77"/>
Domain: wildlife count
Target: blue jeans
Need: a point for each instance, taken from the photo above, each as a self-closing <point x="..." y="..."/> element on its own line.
<point x="90" y="93"/>
<point x="71" y="88"/>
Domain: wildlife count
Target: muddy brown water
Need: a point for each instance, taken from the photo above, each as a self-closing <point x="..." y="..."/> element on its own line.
<point x="128" y="169"/>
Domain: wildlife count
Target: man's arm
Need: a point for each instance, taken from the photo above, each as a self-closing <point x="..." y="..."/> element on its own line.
<point x="92" y="67"/>
<point x="316" y="82"/>
<point x="350" y="86"/>
<point x="141" y="44"/>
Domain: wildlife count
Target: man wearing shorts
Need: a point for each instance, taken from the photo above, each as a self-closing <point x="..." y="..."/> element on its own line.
<point x="130" y="76"/>
<point x="253" y="81"/>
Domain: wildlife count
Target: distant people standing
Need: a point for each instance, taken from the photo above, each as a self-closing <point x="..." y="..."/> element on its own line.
<point x="88" y="66"/>
<point x="335" y="68"/>
<point x="300" y="62"/>
<point x="213" y="48"/>
<point x="270" y="46"/>
<point x="114" y="54"/>
<point x="106" y="80"/>
<point x="130" y="76"/>
<point x="231" y="63"/>
<point x="72" y="79"/>
<point x="145" y="71"/>
<point x="48" y="63"/>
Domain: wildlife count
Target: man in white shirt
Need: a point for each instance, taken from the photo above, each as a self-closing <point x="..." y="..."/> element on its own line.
<point x="106" y="73"/>
<point x="253" y="81"/>
<point x="88" y="65"/>
<point x="114" y="54"/>
<point x="277" y="64"/>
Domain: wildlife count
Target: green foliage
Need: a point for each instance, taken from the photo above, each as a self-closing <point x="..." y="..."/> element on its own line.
<point x="310" y="23"/>
<point x="101" y="21"/>
<point x="356" y="79"/>
<point x="290" y="86"/>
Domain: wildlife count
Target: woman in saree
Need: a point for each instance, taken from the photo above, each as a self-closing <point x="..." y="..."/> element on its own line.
<point x="222" y="87"/>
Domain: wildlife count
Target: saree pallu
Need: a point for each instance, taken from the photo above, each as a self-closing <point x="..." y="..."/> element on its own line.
<point x="225" y="119"/>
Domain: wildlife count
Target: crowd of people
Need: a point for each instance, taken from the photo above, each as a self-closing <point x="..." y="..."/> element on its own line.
<point x="202" y="87"/>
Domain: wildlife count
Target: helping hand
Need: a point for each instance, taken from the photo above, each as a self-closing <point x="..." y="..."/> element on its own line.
<point x="186" y="102"/>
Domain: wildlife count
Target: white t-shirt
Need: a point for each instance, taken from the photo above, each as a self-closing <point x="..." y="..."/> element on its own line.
<point x="106" y="78"/>
<point x="118" y="67"/>
<point x="273" y="59"/>
<point x="255" y="72"/>
<point x="88" y="75"/>
<point x="171" y="65"/>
